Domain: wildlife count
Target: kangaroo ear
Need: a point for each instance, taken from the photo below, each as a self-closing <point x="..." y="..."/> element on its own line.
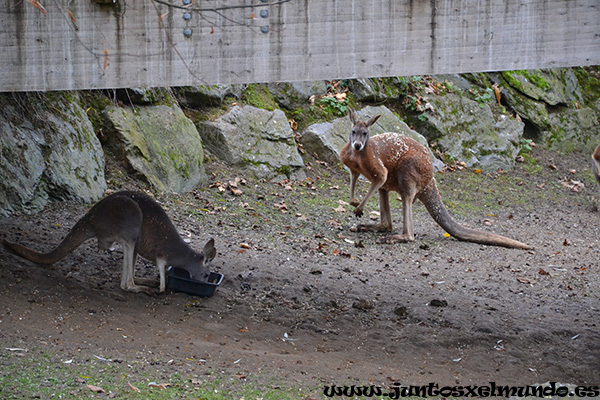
<point x="373" y="120"/>
<point x="209" y="251"/>
<point x="352" y="115"/>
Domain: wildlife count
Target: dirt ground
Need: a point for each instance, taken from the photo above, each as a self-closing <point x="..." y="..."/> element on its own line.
<point x="301" y="304"/>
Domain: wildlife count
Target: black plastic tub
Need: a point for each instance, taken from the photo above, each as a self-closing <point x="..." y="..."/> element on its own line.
<point x="178" y="280"/>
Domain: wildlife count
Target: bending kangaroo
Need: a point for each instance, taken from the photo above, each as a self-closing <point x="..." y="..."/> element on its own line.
<point x="394" y="162"/>
<point x="142" y="227"/>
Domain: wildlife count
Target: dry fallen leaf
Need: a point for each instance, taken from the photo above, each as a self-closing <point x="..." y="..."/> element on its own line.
<point x="497" y="91"/>
<point x="159" y="385"/>
<point x="133" y="388"/>
<point x="338" y="252"/>
<point x="575" y="186"/>
<point x="340" y="97"/>
<point x="525" y="280"/>
<point x="339" y="209"/>
<point x="235" y="191"/>
<point x="281" y="206"/>
<point x="335" y="223"/>
<point x="95" y="389"/>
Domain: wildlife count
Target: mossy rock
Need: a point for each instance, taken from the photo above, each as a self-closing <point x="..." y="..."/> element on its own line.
<point x="159" y="143"/>
<point x="553" y="87"/>
<point x="49" y="150"/>
<point x="255" y="139"/>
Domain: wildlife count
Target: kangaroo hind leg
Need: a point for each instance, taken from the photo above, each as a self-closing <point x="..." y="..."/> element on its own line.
<point x="408" y="232"/>
<point x="128" y="280"/>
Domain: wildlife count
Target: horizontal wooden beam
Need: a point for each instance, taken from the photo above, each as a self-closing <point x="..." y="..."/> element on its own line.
<point x="63" y="45"/>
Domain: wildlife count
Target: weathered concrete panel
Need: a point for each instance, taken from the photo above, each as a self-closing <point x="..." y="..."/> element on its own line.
<point x="81" y="44"/>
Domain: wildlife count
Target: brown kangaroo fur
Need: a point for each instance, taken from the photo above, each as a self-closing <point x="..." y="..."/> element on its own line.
<point x="394" y="162"/>
<point x="596" y="163"/>
<point x="141" y="226"/>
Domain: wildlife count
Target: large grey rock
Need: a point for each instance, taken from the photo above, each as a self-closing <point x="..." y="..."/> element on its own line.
<point x="574" y="129"/>
<point x="259" y="140"/>
<point x="48" y="149"/>
<point x="294" y="94"/>
<point x="209" y="95"/>
<point x="327" y="139"/>
<point x="160" y="144"/>
<point x="375" y="89"/>
<point x="552" y="104"/>
<point x="468" y="131"/>
<point x="553" y="87"/>
<point x="144" y="96"/>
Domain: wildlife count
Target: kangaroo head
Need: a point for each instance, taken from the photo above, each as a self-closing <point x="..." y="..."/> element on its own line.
<point x="198" y="265"/>
<point x="359" y="134"/>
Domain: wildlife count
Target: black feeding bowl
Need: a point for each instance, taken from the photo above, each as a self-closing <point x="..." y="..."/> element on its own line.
<point x="178" y="280"/>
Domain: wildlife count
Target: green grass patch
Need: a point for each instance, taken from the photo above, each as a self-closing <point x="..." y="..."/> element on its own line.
<point x="45" y="376"/>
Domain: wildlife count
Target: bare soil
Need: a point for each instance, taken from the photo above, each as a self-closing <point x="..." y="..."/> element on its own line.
<point x="305" y="302"/>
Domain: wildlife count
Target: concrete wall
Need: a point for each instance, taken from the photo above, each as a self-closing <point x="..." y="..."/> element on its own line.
<point x="149" y="43"/>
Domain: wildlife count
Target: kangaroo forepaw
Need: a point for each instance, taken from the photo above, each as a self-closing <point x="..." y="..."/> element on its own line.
<point x="354" y="203"/>
<point x="358" y="212"/>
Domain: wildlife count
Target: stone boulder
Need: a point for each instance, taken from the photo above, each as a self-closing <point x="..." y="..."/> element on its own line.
<point x="374" y="90"/>
<point x="295" y="94"/>
<point x="144" y="96"/>
<point x="552" y="103"/>
<point x="210" y="95"/>
<point x="255" y="139"/>
<point x="159" y="143"/>
<point x="327" y="139"/>
<point x="553" y="87"/>
<point x="469" y="131"/>
<point x="48" y="149"/>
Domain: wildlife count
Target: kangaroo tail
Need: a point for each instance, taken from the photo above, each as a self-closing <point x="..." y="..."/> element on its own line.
<point x="79" y="234"/>
<point x="433" y="202"/>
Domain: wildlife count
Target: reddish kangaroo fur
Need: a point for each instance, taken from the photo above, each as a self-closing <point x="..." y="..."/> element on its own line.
<point x="394" y="162"/>
<point x="596" y="163"/>
<point x="142" y="227"/>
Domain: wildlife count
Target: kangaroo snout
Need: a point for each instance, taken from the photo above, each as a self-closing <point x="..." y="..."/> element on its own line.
<point x="358" y="146"/>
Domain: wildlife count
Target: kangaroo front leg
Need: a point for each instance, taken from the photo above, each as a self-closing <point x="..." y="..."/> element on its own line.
<point x="385" y="223"/>
<point x="162" y="267"/>
<point x="376" y="184"/>
<point x="353" y="178"/>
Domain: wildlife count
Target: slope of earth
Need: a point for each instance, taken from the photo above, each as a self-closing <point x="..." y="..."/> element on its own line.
<point x="306" y="303"/>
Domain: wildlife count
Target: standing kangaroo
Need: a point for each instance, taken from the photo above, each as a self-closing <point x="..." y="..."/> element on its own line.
<point x="394" y="162"/>
<point x="596" y="163"/>
<point x="142" y="227"/>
